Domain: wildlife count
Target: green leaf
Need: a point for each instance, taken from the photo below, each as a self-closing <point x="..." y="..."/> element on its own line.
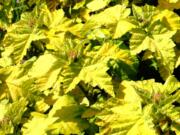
<point x="175" y="127"/>
<point x="169" y="4"/>
<point x="14" y="81"/>
<point x="4" y="73"/>
<point x="70" y="77"/>
<point x="144" y="14"/>
<point x="11" y="115"/>
<point x="140" y="109"/>
<point x="122" y="27"/>
<point x="165" y="55"/>
<point x="6" y="9"/>
<point x="16" y="110"/>
<point x="20" y="35"/>
<point x="178" y="62"/>
<point x="143" y="39"/>
<point x="96" y="75"/>
<point x="161" y="96"/>
<point x="110" y="50"/>
<point x="89" y="74"/>
<point x="139" y="41"/>
<point x="42" y="65"/>
<point x="5" y="122"/>
<point x="38" y="125"/>
<point x="68" y="113"/>
<point x="67" y="67"/>
<point x="112" y="18"/>
<point x="46" y="70"/>
<point x="152" y="39"/>
<point x="169" y="18"/>
<point x="97" y="4"/>
<point x="93" y="71"/>
<point x="57" y="28"/>
<point x="171" y="84"/>
<point x="125" y="119"/>
<point x="172" y="1"/>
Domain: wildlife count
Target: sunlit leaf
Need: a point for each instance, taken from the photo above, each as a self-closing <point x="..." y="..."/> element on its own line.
<point x="21" y="34"/>
<point x="35" y="125"/>
<point x="97" y="4"/>
<point x="153" y="40"/>
<point x="68" y="113"/>
<point x="169" y="4"/>
<point x="112" y="18"/>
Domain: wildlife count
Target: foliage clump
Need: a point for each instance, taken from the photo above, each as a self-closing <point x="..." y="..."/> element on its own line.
<point x="104" y="67"/>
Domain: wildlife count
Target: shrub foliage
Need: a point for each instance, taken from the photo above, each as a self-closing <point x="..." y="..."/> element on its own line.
<point x="104" y="67"/>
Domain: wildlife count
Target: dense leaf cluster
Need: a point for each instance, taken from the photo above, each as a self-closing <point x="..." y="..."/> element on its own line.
<point x="104" y="67"/>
